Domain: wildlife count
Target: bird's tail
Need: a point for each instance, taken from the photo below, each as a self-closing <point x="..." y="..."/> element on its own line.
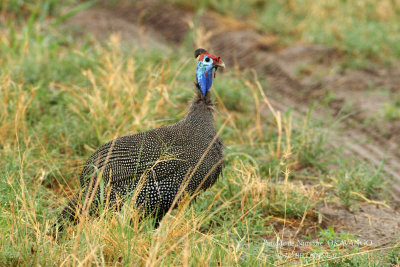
<point x="69" y="214"/>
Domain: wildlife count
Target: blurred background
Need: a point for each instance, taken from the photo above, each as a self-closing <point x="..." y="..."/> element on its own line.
<point x="308" y="106"/>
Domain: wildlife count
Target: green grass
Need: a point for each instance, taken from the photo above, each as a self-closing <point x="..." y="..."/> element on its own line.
<point x="63" y="96"/>
<point x="391" y="109"/>
<point x="362" y="29"/>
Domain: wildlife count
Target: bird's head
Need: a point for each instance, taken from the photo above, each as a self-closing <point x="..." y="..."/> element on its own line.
<point x="206" y="64"/>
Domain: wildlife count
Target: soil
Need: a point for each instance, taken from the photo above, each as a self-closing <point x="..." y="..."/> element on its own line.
<point x="371" y="222"/>
<point x="297" y="75"/>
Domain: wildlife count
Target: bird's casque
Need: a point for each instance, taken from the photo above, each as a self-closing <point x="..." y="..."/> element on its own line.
<point x="206" y="64"/>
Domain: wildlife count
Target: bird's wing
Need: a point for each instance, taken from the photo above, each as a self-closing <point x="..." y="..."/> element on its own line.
<point x="128" y="159"/>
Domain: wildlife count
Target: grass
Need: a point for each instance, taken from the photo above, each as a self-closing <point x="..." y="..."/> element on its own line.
<point x="391" y="109"/>
<point x="364" y="30"/>
<point x="62" y="96"/>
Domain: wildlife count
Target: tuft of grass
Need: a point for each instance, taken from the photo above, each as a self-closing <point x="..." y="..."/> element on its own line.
<point x="391" y="110"/>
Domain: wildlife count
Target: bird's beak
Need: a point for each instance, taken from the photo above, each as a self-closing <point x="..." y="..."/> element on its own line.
<point x="220" y="64"/>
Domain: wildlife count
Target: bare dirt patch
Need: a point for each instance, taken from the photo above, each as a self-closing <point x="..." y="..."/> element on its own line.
<point x="372" y="226"/>
<point x="371" y="222"/>
<point x="101" y="23"/>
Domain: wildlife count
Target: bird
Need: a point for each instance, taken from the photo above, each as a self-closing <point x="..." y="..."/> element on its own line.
<point x="156" y="167"/>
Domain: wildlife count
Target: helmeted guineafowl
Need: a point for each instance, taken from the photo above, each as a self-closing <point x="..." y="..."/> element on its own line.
<point x="156" y="166"/>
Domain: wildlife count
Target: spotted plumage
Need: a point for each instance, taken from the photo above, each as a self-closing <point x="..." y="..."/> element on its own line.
<point x="156" y="166"/>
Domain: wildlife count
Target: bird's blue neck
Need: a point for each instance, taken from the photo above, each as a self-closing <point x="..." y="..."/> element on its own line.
<point x="204" y="75"/>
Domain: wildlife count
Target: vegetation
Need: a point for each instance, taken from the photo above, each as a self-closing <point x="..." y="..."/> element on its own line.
<point x="62" y="95"/>
<point x="362" y="29"/>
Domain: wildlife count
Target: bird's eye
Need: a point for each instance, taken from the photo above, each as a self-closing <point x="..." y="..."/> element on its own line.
<point x="207" y="59"/>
